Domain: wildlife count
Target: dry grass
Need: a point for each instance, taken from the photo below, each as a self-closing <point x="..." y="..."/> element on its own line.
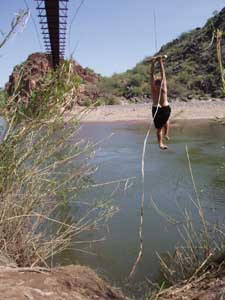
<point x="43" y="164"/>
<point x="17" y="24"/>
<point x="202" y="243"/>
<point x="195" y="270"/>
<point x="210" y="285"/>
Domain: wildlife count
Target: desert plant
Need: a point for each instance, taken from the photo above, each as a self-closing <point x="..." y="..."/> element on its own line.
<point x="112" y="100"/>
<point x="219" y="35"/>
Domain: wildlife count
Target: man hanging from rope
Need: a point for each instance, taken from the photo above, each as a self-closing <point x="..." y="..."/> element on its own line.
<point x="160" y="108"/>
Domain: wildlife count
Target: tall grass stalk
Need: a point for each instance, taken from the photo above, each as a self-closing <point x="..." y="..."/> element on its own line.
<point x="17" y="24"/>
<point x="219" y="35"/>
<point x="201" y="243"/>
<point x="43" y="164"/>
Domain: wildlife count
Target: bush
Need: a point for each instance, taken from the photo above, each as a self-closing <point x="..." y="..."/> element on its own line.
<point x="112" y="101"/>
<point x="86" y="102"/>
<point x="183" y="77"/>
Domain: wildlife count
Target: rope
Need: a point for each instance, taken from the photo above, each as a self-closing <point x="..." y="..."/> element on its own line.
<point x="140" y="254"/>
<point x="35" y="26"/>
<point x="73" y="19"/>
<point x="155" y="32"/>
<point x="75" y="48"/>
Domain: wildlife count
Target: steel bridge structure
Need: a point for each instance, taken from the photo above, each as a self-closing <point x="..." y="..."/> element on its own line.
<point x="53" y="20"/>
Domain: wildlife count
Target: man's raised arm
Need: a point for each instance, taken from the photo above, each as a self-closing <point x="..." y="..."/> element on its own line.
<point x="163" y="74"/>
<point x="152" y="70"/>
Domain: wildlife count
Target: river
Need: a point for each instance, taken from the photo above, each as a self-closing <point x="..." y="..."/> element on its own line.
<point x="168" y="186"/>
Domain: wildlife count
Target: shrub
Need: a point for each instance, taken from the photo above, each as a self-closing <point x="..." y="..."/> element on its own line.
<point x="112" y="101"/>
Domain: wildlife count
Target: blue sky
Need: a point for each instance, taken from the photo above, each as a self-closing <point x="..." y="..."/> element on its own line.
<point x="112" y="35"/>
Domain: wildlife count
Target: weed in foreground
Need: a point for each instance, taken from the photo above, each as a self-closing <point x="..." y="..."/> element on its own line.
<point x="43" y="164"/>
<point x="202" y="244"/>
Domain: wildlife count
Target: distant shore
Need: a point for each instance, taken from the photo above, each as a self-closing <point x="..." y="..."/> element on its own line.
<point x="192" y="110"/>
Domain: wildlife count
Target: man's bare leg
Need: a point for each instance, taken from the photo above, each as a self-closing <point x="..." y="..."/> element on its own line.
<point x="159" y="137"/>
<point x="166" y="130"/>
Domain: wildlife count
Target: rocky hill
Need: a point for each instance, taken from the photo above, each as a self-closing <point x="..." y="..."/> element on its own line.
<point x="192" y="68"/>
<point x="28" y="75"/>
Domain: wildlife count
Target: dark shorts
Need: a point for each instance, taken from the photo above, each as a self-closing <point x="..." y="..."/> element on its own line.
<point x="162" y="115"/>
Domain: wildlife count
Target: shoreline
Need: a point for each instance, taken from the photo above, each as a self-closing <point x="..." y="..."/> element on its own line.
<point x="193" y="110"/>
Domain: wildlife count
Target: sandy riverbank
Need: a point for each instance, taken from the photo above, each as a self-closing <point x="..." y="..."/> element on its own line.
<point x="194" y="109"/>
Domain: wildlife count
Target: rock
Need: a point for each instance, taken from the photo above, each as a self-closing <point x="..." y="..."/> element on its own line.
<point x="216" y="93"/>
<point x="37" y="65"/>
<point x="85" y="73"/>
<point x="65" y="283"/>
<point x="184" y="99"/>
<point x="190" y="97"/>
<point x="205" y="97"/>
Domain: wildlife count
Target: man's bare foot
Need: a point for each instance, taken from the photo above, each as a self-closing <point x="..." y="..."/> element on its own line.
<point x="163" y="147"/>
<point x="167" y="137"/>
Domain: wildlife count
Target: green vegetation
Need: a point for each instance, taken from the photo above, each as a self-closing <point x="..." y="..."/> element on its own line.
<point x="192" y="67"/>
<point x="127" y="85"/>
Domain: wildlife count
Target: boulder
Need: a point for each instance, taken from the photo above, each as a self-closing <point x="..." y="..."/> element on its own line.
<point x="67" y="283"/>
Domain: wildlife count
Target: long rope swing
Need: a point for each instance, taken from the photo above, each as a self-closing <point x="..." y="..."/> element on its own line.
<point x="143" y="188"/>
<point x="140" y="253"/>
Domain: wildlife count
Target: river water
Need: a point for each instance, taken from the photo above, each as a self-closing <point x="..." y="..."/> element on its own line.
<point x="168" y="185"/>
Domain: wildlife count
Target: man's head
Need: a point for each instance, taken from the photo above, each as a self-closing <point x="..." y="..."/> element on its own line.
<point x="158" y="82"/>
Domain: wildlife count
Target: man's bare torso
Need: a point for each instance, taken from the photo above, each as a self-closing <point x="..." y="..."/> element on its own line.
<point x="163" y="97"/>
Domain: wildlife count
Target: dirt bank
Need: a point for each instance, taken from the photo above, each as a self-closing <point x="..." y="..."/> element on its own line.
<point x="66" y="283"/>
<point x="140" y="112"/>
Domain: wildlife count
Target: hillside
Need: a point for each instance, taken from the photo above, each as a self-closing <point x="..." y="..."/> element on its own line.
<point x="192" y="68"/>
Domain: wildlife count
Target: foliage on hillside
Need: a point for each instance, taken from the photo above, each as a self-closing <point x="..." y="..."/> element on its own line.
<point x="192" y="67"/>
